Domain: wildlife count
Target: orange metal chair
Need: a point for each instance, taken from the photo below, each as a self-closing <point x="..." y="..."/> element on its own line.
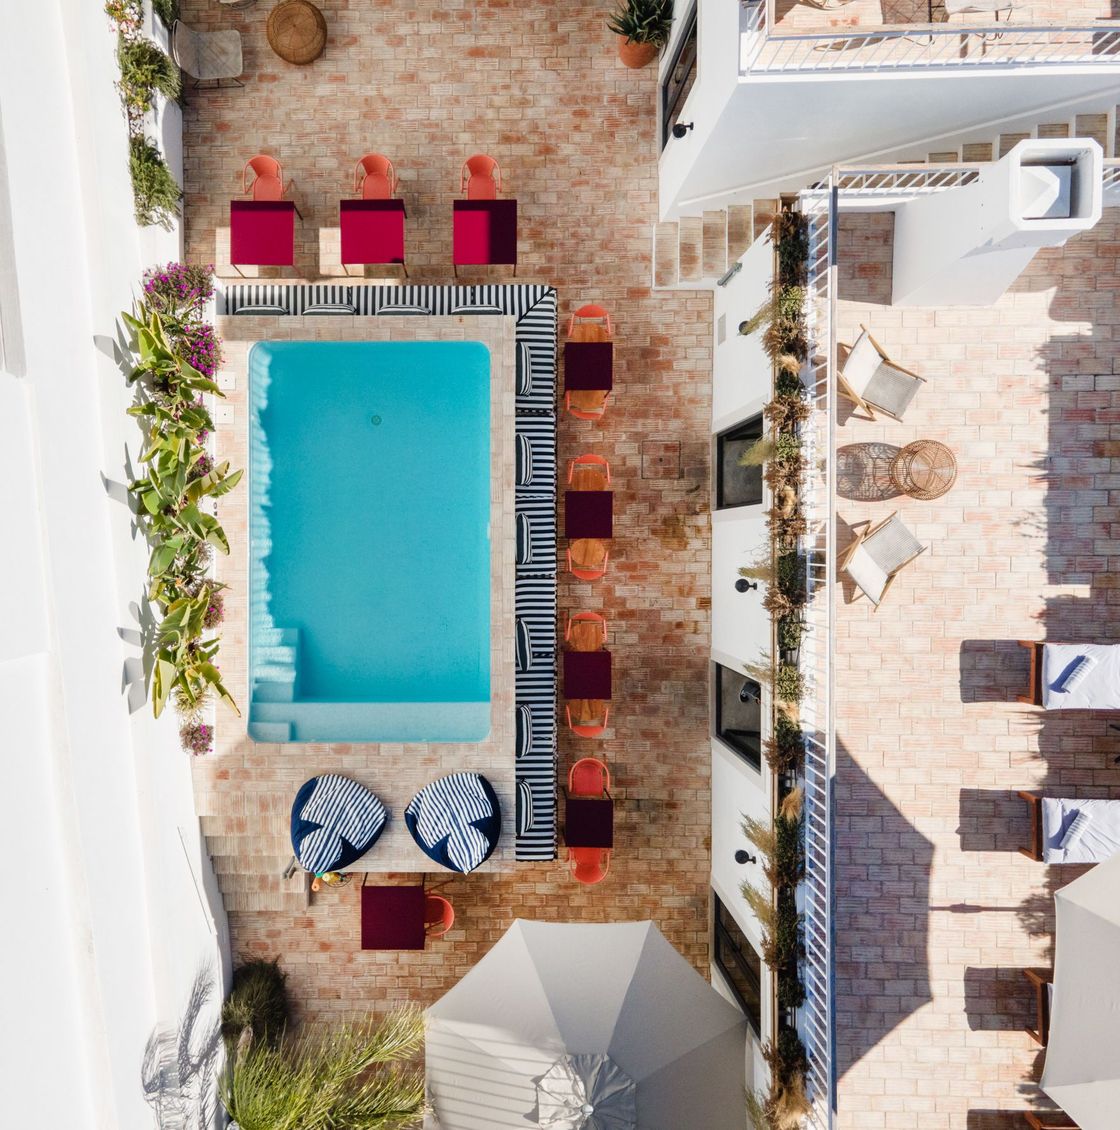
<point x="439" y="915"/>
<point x="268" y="178"/>
<point x="588" y="558"/>
<point x="477" y="177"/>
<point x="374" y="177"/>
<point x="586" y="723"/>
<point x="589" y="777"/>
<point x="589" y="865"/>
<point x="581" y="627"/>
<point x="589" y="331"/>
<point x="593" y="471"/>
<point x="588" y="404"/>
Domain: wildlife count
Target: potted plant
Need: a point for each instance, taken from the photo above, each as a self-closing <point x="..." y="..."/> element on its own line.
<point x="643" y="26"/>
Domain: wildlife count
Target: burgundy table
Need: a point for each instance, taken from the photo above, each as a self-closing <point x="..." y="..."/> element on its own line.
<point x="392" y="918"/>
<point x="588" y="513"/>
<point x="589" y="822"/>
<point x="372" y="231"/>
<point x="587" y="674"/>
<point x="484" y="231"/>
<point x="262" y="233"/>
<point x="589" y="365"/>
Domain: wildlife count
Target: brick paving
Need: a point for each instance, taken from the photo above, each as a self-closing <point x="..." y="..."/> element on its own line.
<point x="936" y="913"/>
<point x="429" y="84"/>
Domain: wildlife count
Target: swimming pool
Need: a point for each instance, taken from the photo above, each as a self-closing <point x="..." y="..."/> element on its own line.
<point x="369" y="541"/>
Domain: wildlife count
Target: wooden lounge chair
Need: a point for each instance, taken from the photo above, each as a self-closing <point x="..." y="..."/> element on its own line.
<point x="875" y="383"/>
<point x="878" y="555"/>
<point x="1048" y="1120"/>
<point x="207" y="56"/>
<point x="1050" y="819"/>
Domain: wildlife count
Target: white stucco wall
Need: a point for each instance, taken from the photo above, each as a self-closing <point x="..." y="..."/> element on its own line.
<point x="773" y="133"/>
<point x="115" y="902"/>
<point x="740" y="368"/>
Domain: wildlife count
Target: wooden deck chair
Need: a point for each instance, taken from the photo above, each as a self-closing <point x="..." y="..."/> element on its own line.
<point x="873" y="382"/>
<point x="878" y="555"/>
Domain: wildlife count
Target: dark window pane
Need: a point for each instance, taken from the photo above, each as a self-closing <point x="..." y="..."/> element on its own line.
<point x="737" y="485"/>
<point x="739" y="713"/>
<point x="740" y="964"/>
<point x="679" y="78"/>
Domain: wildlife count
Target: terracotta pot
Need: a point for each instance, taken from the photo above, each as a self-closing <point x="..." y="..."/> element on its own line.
<point x="636" y="54"/>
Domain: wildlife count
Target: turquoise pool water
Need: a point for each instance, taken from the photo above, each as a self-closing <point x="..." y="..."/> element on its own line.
<point x="370" y="545"/>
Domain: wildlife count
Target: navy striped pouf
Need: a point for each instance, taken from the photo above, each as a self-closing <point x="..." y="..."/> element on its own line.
<point x="334" y="821"/>
<point x="456" y="821"/>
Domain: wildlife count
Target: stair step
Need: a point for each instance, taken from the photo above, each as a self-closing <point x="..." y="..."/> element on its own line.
<point x="740" y="230"/>
<point x="245" y="864"/>
<point x="274" y="637"/>
<point x="274" y="673"/>
<point x="764" y="213"/>
<point x="690" y="248"/>
<point x="1054" y="129"/>
<point x="1094" y="126"/>
<point x="1008" y="141"/>
<point x="976" y="152"/>
<point x="665" y="250"/>
<point x="257" y="901"/>
<point x="715" y="243"/>
<point x="944" y="157"/>
<point x="273" y="690"/>
<point x="270" y="732"/>
<point x="281" y="654"/>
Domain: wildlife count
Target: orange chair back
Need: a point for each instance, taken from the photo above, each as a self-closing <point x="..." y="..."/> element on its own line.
<point x="375" y="177"/>
<point x="584" y="727"/>
<point x="268" y="177"/>
<point x="587" y="639"/>
<point x="587" y="332"/>
<point x="589" y="562"/>
<point x="589" y="865"/>
<point x="439" y="915"/>
<point x="589" y="777"/>
<point x="592" y="470"/>
<point x="480" y="177"/>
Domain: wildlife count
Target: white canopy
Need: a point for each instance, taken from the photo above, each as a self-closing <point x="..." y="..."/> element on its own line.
<point x="558" y="1017"/>
<point x="1082" y="1070"/>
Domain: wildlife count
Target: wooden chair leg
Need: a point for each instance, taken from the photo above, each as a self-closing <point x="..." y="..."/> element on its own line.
<point x="1033" y="697"/>
<point x="1034" y="808"/>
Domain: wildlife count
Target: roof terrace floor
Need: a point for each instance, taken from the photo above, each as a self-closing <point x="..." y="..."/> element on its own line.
<point x="793" y="16"/>
<point x="936" y="912"/>
<point x="429" y="84"/>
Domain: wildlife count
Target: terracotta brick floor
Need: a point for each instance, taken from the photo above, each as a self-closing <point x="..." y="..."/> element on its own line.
<point x="936" y="912"/>
<point x="541" y="89"/>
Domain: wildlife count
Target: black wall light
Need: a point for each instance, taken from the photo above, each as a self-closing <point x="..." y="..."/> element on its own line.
<point x="681" y="128"/>
<point x="743" y="585"/>
<point x="745" y="857"/>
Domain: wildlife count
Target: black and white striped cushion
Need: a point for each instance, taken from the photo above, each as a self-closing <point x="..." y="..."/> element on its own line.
<point x="334" y="821"/>
<point x="456" y="821"/>
<point x="536" y="533"/>
<point x="479" y="308"/>
<point x="536" y="727"/>
<point x="536" y="454"/>
<point x="403" y="308"/>
<point x="262" y="308"/>
<point x="524" y="808"/>
<point x="329" y="308"/>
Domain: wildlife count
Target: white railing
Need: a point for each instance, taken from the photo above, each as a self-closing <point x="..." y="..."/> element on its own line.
<point x="765" y="50"/>
<point x="816" y="659"/>
<point x="1111" y="182"/>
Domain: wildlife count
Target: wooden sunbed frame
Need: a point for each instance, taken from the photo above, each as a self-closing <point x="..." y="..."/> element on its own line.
<point x="869" y="531"/>
<point x="1034" y="807"/>
<point x="1049" y="1120"/>
<point x="1033" y="697"/>
<point x="1041" y="979"/>
<point x="847" y="391"/>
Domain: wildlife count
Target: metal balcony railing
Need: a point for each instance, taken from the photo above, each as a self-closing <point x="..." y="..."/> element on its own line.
<point x="764" y="49"/>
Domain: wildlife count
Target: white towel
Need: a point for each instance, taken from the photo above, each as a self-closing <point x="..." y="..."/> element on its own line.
<point x="1078" y="673"/>
<point x="1078" y="827"/>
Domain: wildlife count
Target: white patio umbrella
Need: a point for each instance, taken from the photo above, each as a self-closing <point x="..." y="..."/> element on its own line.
<point x="585" y="1027"/>
<point x="1082" y="1069"/>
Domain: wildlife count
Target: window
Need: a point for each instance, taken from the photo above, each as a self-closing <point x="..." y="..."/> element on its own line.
<point x="679" y="77"/>
<point x="740" y="964"/>
<point x="739" y="713"/>
<point x="737" y="485"/>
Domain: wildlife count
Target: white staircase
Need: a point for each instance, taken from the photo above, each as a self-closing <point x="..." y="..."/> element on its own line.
<point x="693" y="252"/>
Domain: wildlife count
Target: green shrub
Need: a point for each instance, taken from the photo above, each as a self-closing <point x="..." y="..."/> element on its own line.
<point x="348" y="1077"/>
<point x="789" y="576"/>
<point x="643" y="21"/>
<point x="258" y="1002"/>
<point x="785" y="749"/>
<point x="167" y="10"/>
<point x="783" y="944"/>
<point x="790" y="631"/>
<point x="155" y="192"/>
<point x="789" y="685"/>
<point x="145" y="69"/>
<point x="790" y="234"/>
<point x="791" y="990"/>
